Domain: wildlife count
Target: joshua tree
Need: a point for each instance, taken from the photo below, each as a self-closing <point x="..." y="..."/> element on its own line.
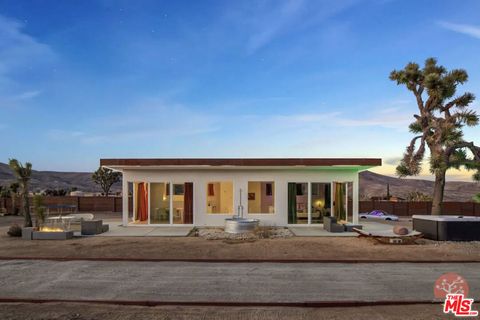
<point x="438" y="124"/>
<point x="106" y="178"/>
<point x="23" y="174"/>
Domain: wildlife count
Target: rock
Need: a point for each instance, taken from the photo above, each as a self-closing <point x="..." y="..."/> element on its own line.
<point x="401" y="231"/>
<point x="261" y="233"/>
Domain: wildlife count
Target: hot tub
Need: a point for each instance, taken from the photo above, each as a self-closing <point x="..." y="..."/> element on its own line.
<point x="448" y="227"/>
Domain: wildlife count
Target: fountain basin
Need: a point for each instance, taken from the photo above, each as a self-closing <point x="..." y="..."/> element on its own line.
<point x="240" y="225"/>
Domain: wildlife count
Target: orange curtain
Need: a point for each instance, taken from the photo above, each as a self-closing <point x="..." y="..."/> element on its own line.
<point x="142" y="202"/>
<point x="188" y="203"/>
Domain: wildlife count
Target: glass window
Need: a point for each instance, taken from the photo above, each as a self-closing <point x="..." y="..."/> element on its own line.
<point x="182" y="203"/>
<point x="342" y="201"/>
<point x="297" y="203"/>
<point x="321" y="204"/>
<point x="220" y="197"/>
<point x="261" y="197"/>
<point x="159" y="203"/>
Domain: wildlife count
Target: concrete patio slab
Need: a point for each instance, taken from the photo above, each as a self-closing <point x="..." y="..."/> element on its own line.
<point x="318" y="231"/>
<point x="169" y="232"/>
<point x="117" y="230"/>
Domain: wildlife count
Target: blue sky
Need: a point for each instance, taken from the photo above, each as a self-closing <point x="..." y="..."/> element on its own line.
<point x="82" y="80"/>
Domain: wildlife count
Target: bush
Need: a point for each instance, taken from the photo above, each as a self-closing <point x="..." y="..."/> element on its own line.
<point x="15" y="231"/>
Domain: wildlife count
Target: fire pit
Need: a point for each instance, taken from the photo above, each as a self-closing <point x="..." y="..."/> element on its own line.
<point x="55" y="228"/>
<point x="52" y="234"/>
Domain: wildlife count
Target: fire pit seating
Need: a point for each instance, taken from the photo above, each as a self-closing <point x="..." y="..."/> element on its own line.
<point x="330" y="224"/>
<point x="77" y="218"/>
<point x="93" y="227"/>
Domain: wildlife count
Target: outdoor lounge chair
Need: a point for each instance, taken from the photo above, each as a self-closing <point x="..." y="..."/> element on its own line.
<point x="330" y="224"/>
<point x="78" y="217"/>
<point x="389" y="237"/>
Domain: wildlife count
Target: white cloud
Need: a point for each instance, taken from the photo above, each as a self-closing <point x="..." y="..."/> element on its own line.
<point x="272" y="23"/>
<point x="265" y="21"/>
<point x="467" y="29"/>
<point x="19" y="53"/>
<point x="26" y="95"/>
<point x="153" y="121"/>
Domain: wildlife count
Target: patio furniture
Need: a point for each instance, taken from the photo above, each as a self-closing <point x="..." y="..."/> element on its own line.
<point x="78" y="217"/>
<point x="349" y="227"/>
<point x="61" y="209"/>
<point x="330" y="224"/>
<point x="27" y="233"/>
<point x="93" y="227"/>
<point x="59" y="221"/>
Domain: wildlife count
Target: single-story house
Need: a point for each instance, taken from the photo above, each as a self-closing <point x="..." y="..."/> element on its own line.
<point x="203" y="192"/>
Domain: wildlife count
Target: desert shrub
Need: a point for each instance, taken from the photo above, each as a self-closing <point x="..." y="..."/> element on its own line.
<point x="418" y="196"/>
<point x="476" y="198"/>
<point x="39" y="209"/>
<point x="15" y="231"/>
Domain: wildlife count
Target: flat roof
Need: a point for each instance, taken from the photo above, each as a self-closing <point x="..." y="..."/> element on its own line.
<point x="240" y="162"/>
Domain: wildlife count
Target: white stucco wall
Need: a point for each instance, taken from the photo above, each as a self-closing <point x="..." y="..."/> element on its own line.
<point x="240" y="178"/>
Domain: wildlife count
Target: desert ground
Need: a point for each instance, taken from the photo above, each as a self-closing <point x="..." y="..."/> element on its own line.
<point x="195" y="248"/>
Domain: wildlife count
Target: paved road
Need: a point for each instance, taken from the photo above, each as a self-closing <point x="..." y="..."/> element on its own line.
<point x="227" y="282"/>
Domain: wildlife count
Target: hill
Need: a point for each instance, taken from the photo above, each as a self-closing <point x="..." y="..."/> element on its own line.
<point x="371" y="184"/>
<point x="42" y="180"/>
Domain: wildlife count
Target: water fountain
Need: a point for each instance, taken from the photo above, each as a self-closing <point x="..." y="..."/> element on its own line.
<point x="239" y="224"/>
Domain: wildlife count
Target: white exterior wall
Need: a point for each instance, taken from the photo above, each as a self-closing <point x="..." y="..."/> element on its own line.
<point x="240" y="178"/>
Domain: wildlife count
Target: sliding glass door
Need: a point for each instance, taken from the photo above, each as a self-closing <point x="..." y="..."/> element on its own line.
<point x="163" y="203"/>
<point x="320" y="199"/>
<point x="342" y="201"/>
<point x="159" y="203"/>
<point x="182" y="203"/>
<point x="308" y="202"/>
<point x="298" y="203"/>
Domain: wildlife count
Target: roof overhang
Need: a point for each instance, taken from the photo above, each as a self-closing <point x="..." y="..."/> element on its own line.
<point x="358" y="164"/>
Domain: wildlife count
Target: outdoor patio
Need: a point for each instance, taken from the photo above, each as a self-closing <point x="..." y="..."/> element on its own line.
<point x="318" y="231"/>
<point x="117" y="230"/>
